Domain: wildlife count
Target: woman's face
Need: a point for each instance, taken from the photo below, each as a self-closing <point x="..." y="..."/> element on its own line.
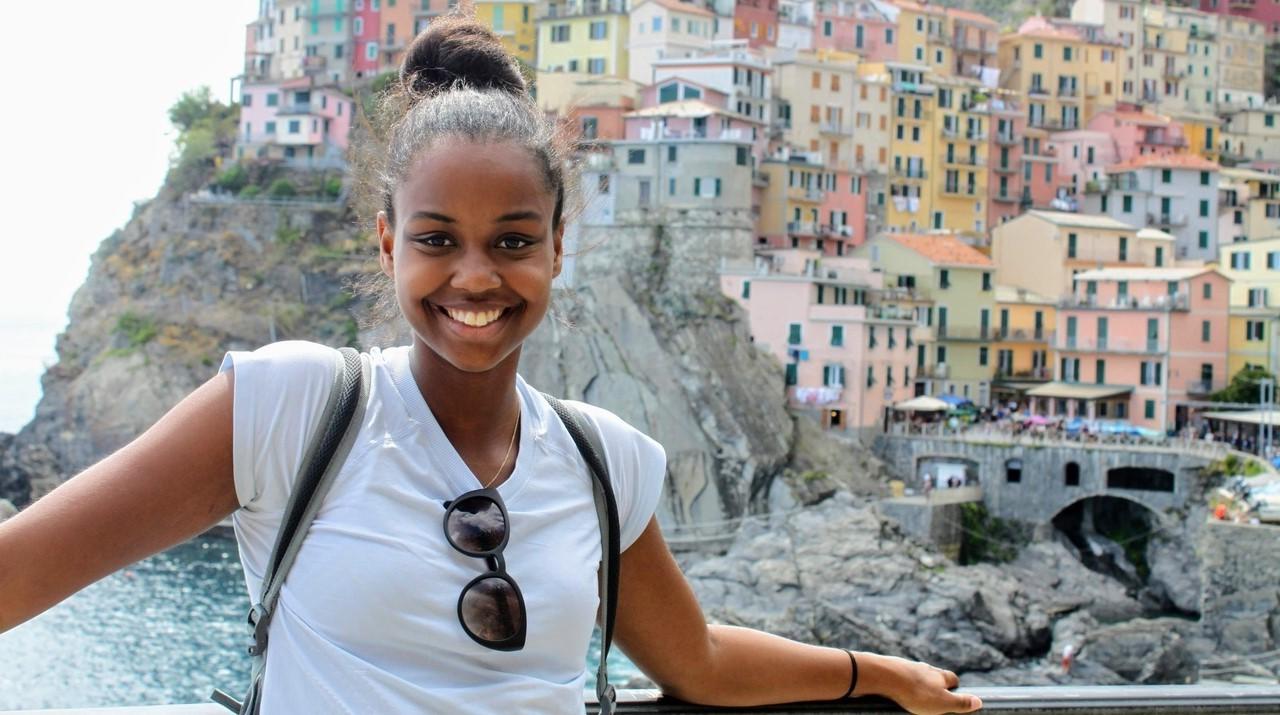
<point x="473" y="250"/>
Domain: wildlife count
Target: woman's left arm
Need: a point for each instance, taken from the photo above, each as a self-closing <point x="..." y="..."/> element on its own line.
<point x="661" y="628"/>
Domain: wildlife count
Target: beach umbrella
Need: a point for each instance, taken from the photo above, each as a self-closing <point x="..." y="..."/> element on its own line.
<point x="923" y="403"/>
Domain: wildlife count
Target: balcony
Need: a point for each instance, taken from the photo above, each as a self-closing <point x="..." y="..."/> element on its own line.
<point x="1021" y="335"/>
<point x="909" y="173"/>
<point x="1033" y="373"/>
<point x="1179" y="301"/>
<point x="1203" y="387"/>
<point x="1005" y="169"/>
<point x="836" y="127"/>
<point x="967" y="160"/>
<point x="1078" y="344"/>
<point x="803" y="228"/>
<point x="296" y="108"/>
<point x="921" y="116"/>
<point x="936" y="371"/>
<point x="1161" y="139"/>
<point x="759" y="179"/>
<point x="314" y="63"/>
<point x="594" y="7"/>
<point x="955" y="190"/>
<point x="913" y="88"/>
<point x="1037" y="91"/>
<point x="1169" y="220"/>
<point x="1006" y="139"/>
<point x="1067" y="91"/>
<point x="958" y="333"/>
<point x="1005" y="197"/>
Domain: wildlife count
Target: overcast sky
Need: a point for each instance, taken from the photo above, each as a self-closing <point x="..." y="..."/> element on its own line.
<point x="85" y="134"/>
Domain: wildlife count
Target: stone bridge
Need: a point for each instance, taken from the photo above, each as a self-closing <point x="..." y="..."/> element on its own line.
<point x="1034" y="479"/>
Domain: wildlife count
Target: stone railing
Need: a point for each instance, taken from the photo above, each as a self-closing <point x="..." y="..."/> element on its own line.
<point x="1051" y="700"/>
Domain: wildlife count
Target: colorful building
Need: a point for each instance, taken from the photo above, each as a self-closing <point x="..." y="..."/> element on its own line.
<point x="845" y="356"/>
<point x="1177" y="193"/>
<point x="743" y="75"/>
<point x="756" y="22"/>
<point x="1251" y="133"/>
<point x="366" y="37"/>
<point x="866" y="27"/>
<point x="588" y="36"/>
<point x="951" y="285"/>
<point x="1064" y="78"/>
<point x="1254" y="269"/>
<point x="1025" y="323"/>
<point x="667" y="28"/>
<point x="514" y="22"/>
<point x="295" y="121"/>
<point x="1144" y="340"/>
<point x="1005" y="178"/>
<point x="1248" y="205"/>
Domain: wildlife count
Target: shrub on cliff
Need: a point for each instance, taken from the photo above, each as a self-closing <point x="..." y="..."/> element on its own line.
<point x="206" y="130"/>
<point x="282" y="189"/>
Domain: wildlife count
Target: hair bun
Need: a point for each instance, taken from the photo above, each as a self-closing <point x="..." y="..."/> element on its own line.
<point x="457" y="49"/>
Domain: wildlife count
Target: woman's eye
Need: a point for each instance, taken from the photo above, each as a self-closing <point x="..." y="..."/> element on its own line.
<point x="514" y="242"/>
<point x="435" y="240"/>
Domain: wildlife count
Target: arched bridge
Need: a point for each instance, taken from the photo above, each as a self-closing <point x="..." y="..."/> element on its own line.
<point x="1032" y="480"/>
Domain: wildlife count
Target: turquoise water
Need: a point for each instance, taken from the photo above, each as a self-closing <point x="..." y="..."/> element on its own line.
<point x="167" y="630"/>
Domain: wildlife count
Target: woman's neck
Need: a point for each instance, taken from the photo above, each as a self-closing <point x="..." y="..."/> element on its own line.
<point x="474" y="409"/>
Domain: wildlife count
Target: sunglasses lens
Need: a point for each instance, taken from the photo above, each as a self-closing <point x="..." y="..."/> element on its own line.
<point x="476" y="526"/>
<point x="491" y="610"/>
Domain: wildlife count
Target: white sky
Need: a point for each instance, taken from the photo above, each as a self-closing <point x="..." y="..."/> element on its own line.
<point x="85" y="133"/>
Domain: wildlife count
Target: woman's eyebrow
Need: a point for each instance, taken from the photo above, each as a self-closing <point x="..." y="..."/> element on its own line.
<point x="513" y="216"/>
<point x="432" y="215"/>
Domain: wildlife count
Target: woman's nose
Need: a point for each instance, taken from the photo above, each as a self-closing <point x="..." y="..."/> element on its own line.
<point x="475" y="271"/>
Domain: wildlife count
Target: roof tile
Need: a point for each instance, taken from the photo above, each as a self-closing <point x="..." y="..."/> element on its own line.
<point x="942" y="248"/>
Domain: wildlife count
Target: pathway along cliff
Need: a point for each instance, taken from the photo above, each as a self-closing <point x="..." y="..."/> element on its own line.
<point x="643" y="331"/>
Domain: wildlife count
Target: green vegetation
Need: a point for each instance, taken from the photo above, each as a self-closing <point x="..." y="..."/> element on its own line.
<point x="250" y="191"/>
<point x="234" y="179"/>
<point x="1232" y="465"/>
<point x="990" y="539"/>
<point x="1244" y="386"/>
<point x="288" y="235"/>
<point x="282" y="189"/>
<point x="206" y="131"/>
<point x="137" y="329"/>
<point x="333" y="187"/>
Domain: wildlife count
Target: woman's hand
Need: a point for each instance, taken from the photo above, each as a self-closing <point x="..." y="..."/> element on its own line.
<point x="918" y="688"/>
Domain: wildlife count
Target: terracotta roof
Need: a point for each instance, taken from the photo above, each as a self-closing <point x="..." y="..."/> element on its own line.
<point x="1038" y="26"/>
<point x="917" y="7"/>
<point x="942" y="248"/>
<point x="686" y="7"/>
<point x="971" y="17"/>
<point x="1165" y="161"/>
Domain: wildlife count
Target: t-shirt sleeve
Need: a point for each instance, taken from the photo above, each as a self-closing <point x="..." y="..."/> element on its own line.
<point x="637" y="468"/>
<point x="280" y="391"/>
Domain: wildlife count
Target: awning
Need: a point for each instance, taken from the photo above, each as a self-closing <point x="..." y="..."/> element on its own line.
<point x="1077" y="391"/>
<point x="923" y="403"/>
<point x="1016" y="385"/>
<point x="1253" y="417"/>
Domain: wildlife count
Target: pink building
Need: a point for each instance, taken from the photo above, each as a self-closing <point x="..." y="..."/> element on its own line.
<point x="1143" y="340"/>
<point x="1043" y="184"/>
<point x="295" y="121"/>
<point x="844" y="209"/>
<point x="1005" y="166"/>
<point x="843" y="356"/>
<point x="366" y="26"/>
<point x="756" y="21"/>
<point x="1139" y="133"/>
<point x="1268" y="13"/>
<point x="694" y="119"/>
<point x="855" y="26"/>
<point x="1083" y="157"/>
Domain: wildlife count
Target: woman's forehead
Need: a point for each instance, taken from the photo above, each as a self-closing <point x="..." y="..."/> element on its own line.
<point x="464" y="173"/>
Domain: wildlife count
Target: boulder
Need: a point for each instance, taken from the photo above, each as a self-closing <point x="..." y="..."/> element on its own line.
<point x="1145" y="651"/>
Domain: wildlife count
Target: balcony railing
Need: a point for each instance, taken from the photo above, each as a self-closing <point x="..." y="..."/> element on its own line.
<point x="595" y="7"/>
<point x="1066" y="91"/>
<point x="1005" y="197"/>
<point x="908" y="173"/>
<point x="1005" y="169"/>
<point x="1166" y="220"/>
<point x="1160" y="139"/>
<point x="1021" y="335"/>
<point x="967" y="160"/>
<point x="803" y="228"/>
<point x="964" y="332"/>
<point x="836" y="127"/>
<point x="1178" y="301"/>
<point x="937" y="371"/>
<point x="1092" y="344"/>
<point x="1006" y="139"/>
<point x="1034" y="373"/>
<point x="1202" y="387"/>
<point x="1037" y="90"/>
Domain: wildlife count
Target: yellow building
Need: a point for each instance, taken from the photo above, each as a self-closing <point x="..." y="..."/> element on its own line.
<point x="1248" y="205"/>
<point x="1254" y="269"/>
<point x="514" y="22"/>
<point x="1203" y="133"/>
<point x="1024" y="325"/>
<point x="1064" y="78"/>
<point x="816" y="92"/>
<point x="912" y="148"/>
<point x="1161" y="61"/>
<point x="585" y="36"/>
<point x="791" y="200"/>
<point x="924" y="37"/>
<point x="958" y="175"/>
<point x="952" y="286"/>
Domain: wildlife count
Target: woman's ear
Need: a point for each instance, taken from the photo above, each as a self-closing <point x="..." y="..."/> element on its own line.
<point x="386" y="245"/>
<point x="558" y="243"/>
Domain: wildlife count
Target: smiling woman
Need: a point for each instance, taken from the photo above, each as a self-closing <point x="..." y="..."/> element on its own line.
<point x="455" y="458"/>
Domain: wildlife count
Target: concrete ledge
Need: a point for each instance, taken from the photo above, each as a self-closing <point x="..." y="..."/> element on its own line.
<point x="1057" y="700"/>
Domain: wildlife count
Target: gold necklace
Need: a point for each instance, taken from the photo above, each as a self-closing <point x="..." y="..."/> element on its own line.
<point x="511" y="444"/>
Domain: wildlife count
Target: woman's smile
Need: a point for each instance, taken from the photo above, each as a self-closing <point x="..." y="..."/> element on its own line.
<point x="472" y="321"/>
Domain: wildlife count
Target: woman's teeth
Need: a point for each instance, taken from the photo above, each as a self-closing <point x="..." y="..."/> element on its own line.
<point x="474" y="319"/>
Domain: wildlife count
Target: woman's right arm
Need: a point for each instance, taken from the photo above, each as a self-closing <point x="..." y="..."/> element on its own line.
<point x="168" y="485"/>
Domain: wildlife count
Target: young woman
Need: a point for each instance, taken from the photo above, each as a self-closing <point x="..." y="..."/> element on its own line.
<point x="473" y="192"/>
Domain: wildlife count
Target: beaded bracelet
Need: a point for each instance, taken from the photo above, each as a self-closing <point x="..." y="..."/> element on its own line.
<point x="853" y="675"/>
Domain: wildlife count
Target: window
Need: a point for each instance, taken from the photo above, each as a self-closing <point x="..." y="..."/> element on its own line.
<point x="1204" y="239"/>
<point x="1149" y="409"/>
<point x="742" y="156"/>
<point x="1239" y="260"/>
<point x="1204" y="178"/>
<point x="273" y="99"/>
<point x="271" y="127"/>
<point x="657" y="24"/>
<point x="1100" y="372"/>
<point x="833" y="375"/>
<point x="1066" y="54"/>
<point x="1166" y="176"/>
<point x="246" y="100"/>
<point x="559" y="33"/>
<point x="671" y="186"/>
<point x="1254" y="330"/>
<point x="595" y="65"/>
<point x="635" y="156"/>
<point x="1013" y="467"/>
<point x="1071" y="245"/>
<point x="295" y="126"/>
<point x="944" y="278"/>
<point x="982" y="355"/>
<point x="668" y="93"/>
<point x="837" y="335"/>
<point x="791" y="373"/>
<point x="371" y="50"/>
<point x="986" y="281"/>
<point x="600" y="30"/>
<point x="1124" y="248"/>
<point x="357" y="26"/>
<point x="793" y="334"/>
<point x="1204" y="207"/>
<point x="1038" y="51"/>
<point x="1126" y="203"/>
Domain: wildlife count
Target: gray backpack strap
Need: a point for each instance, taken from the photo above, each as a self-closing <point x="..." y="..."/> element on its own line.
<point x="331" y="442"/>
<point x="589" y="444"/>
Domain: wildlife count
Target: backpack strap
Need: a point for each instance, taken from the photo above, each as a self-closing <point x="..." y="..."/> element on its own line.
<point x="335" y="432"/>
<point x="590" y="445"/>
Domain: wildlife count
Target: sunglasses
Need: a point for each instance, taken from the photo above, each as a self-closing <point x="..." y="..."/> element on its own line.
<point x="490" y="607"/>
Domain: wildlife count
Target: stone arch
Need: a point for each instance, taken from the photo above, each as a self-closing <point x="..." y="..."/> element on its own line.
<point x="1157" y="515"/>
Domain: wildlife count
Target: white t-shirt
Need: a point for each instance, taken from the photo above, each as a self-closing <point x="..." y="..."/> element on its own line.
<point x="367" y="618"/>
